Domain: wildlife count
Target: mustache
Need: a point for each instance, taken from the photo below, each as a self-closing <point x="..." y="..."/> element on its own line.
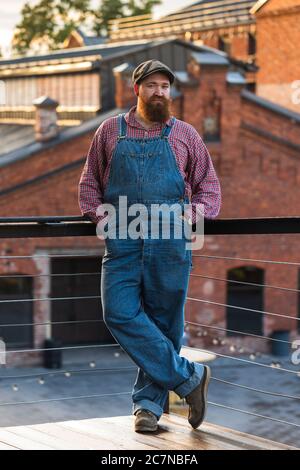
<point x="157" y="98"/>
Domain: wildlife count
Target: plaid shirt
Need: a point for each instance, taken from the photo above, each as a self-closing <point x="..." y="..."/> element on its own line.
<point x="194" y="162"/>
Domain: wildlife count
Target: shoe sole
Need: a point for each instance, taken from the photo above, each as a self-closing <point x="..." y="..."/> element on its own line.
<point x="204" y="396"/>
<point x="145" y="428"/>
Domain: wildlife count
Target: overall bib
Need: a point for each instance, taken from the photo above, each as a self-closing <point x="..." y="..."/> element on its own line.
<point x="144" y="281"/>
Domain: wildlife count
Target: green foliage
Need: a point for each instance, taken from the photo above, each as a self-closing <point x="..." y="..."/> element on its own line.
<point x="141" y="7"/>
<point x="49" y="22"/>
<point x="112" y="9"/>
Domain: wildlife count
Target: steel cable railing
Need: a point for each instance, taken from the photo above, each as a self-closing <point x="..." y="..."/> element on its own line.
<point x="93" y="370"/>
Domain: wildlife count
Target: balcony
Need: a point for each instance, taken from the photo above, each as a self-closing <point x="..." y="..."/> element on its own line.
<point x="117" y="434"/>
<point x="253" y="395"/>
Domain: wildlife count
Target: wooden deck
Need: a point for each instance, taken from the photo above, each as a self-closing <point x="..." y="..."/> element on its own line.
<point x="117" y="433"/>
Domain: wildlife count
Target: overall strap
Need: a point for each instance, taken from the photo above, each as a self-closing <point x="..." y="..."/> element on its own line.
<point x="122" y="125"/>
<point x="167" y="129"/>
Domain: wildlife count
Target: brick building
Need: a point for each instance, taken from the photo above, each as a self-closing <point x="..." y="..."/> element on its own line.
<point x="278" y="54"/>
<point x="223" y="24"/>
<point x="254" y="144"/>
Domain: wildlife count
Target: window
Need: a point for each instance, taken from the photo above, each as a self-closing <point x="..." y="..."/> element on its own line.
<point x="212" y="116"/>
<point x="16" y="313"/>
<point x="251" y="44"/>
<point x="81" y="278"/>
<point x="240" y="293"/>
<point x="224" y="44"/>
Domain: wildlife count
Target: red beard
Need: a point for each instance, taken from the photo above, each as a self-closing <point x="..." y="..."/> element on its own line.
<point x="156" y="109"/>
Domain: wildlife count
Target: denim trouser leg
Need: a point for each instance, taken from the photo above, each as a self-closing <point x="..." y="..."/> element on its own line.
<point x="149" y="331"/>
<point x="165" y="284"/>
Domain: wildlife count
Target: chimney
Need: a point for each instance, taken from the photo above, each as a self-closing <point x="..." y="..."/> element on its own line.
<point x="124" y="94"/>
<point x="46" y="127"/>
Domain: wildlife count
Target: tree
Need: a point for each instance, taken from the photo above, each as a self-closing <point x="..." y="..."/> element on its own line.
<point x="141" y="7"/>
<point x="108" y="10"/>
<point x="113" y="9"/>
<point x="48" y="22"/>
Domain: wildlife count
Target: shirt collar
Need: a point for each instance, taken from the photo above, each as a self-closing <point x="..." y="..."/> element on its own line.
<point x="130" y="119"/>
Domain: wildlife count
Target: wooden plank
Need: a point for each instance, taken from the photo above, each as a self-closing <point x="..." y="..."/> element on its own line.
<point x="196" y="439"/>
<point x="210" y="440"/>
<point x="38" y="435"/>
<point x="241" y="439"/>
<point x="4" y="446"/>
<point x="166" y="438"/>
<point x="118" y="437"/>
<point x="8" y="436"/>
<point x="211" y="436"/>
<point x="118" y="433"/>
<point x="80" y="440"/>
<point x="161" y="439"/>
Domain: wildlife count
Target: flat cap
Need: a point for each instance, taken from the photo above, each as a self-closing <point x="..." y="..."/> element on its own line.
<point x="151" y="66"/>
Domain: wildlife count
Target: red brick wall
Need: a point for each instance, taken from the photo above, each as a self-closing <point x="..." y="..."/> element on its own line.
<point x="44" y="161"/>
<point x="124" y="95"/>
<point x="239" y="46"/>
<point x="278" y="54"/>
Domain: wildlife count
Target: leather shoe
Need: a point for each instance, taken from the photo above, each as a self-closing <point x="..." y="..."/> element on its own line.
<point x="197" y="400"/>
<point x="145" y="421"/>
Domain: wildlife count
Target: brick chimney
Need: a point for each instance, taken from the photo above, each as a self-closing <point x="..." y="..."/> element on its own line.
<point x="124" y="94"/>
<point x="46" y="127"/>
<point x="278" y="56"/>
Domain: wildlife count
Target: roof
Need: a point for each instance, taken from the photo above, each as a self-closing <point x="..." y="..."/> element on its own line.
<point x="90" y="40"/>
<point x="54" y="61"/>
<point x="18" y="141"/>
<point x="210" y="58"/>
<point x="103" y="50"/>
<point x="235" y="78"/>
<point x="13" y="136"/>
<point x="200" y="16"/>
<point x="275" y="108"/>
<point x="182" y="76"/>
<point x="215" y="10"/>
<point x="257" y="6"/>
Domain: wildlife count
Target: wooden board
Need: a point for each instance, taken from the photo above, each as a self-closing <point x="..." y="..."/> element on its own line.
<point x="117" y="433"/>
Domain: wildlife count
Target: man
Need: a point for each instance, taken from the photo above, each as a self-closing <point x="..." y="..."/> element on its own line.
<point x="151" y="158"/>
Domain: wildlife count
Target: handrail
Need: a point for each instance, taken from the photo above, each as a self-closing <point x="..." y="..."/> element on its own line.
<point x="67" y="226"/>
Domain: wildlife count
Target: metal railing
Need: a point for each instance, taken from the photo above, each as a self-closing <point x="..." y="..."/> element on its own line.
<point x="73" y="226"/>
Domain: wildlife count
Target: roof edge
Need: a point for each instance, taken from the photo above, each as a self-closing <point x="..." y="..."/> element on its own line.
<point x="258" y="5"/>
<point x="267" y="104"/>
<point x="71" y="133"/>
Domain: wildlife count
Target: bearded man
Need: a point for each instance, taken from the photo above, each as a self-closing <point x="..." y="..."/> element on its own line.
<point x="152" y="158"/>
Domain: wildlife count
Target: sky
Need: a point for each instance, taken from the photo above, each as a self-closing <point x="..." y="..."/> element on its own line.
<point x="10" y="15"/>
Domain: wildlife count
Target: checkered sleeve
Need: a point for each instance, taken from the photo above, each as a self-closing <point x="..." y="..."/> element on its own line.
<point x="205" y="185"/>
<point x="90" y="193"/>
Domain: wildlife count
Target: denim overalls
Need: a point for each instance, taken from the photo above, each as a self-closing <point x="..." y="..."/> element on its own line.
<point x="144" y="281"/>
